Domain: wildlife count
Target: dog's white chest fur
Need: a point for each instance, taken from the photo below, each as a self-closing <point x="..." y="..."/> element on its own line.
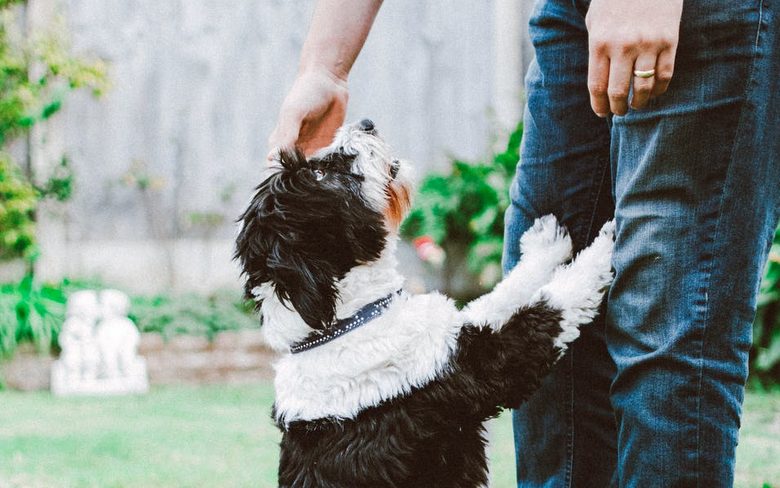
<point x="406" y="347"/>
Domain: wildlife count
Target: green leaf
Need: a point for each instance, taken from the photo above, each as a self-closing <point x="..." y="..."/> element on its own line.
<point x="482" y="222"/>
<point x="769" y="357"/>
<point x="465" y="207"/>
<point x="768" y="297"/>
<point x="25" y="286"/>
<point x="51" y="109"/>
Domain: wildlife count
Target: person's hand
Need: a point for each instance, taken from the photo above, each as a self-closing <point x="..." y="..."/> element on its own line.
<point x="312" y="112"/>
<point x="629" y="35"/>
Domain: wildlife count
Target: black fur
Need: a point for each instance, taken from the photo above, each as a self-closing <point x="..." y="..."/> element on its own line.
<point x="432" y="437"/>
<point x="306" y="226"/>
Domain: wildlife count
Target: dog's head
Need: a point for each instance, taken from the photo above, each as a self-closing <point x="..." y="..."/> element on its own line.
<point x="313" y="219"/>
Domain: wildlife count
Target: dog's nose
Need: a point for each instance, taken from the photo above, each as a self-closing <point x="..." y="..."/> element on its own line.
<point x="366" y="125"/>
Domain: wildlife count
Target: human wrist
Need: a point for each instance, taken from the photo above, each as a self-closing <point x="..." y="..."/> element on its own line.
<point x="323" y="72"/>
<point x="325" y="58"/>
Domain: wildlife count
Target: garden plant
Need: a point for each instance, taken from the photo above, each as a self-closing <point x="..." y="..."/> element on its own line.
<point x="36" y="74"/>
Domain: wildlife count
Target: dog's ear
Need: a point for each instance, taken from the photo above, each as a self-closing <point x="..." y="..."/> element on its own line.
<point x="306" y="227"/>
<point x="263" y="222"/>
<point x="305" y="282"/>
<point x="252" y="248"/>
<point x="298" y="278"/>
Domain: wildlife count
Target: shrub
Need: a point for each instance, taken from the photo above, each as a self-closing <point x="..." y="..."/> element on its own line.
<point x="193" y="314"/>
<point x="35" y="76"/>
<point x="34" y="314"/>
<point x="17" y="224"/>
<point x="30" y="313"/>
<point x="466" y="207"/>
<point x="765" y="361"/>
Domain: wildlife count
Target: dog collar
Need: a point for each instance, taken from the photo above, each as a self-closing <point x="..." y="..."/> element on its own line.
<point x="363" y="316"/>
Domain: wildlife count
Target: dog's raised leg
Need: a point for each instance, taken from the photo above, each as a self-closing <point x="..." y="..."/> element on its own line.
<point x="543" y="247"/>
<point x="576" y="289"/>
<point x="502" y="365"/>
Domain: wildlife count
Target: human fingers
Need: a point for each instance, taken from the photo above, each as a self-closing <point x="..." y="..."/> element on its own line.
<point x="286" y="132"/>
<point x="644" y="79"/>
<point x="621" y="70"/>
<point x="664" y="70"/>
<point x="598" y="79"/>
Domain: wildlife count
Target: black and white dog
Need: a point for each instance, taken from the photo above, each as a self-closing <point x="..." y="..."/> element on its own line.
<point x="375" y="387"/>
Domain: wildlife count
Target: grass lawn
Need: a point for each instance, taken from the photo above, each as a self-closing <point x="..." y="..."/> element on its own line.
<point x="221" y="436"/>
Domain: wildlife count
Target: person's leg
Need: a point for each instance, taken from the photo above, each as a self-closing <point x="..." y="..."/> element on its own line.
<point x="697" y="181"/>
<point x="565" y="434"/>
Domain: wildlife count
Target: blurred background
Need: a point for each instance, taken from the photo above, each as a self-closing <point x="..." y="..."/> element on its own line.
<point x="133" y="134"/>
<point x="166" y="158"/>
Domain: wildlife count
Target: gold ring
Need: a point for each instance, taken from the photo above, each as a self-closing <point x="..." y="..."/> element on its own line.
<point x="644" y="74"/>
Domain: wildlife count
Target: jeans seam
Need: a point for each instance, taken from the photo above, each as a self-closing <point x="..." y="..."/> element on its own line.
<point x="738" y="129"/>
<point x="700" y="363"/>
<point x="569" y="470"/>
<point x="758" y="31"/>
<point x="595" y="200"/>
<point x="569" y="467"/>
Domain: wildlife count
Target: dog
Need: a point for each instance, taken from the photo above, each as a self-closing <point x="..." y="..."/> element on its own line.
<point x="376" y="387"/>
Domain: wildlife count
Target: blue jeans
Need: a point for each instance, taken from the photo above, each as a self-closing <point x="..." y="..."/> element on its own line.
<point x="651" y="394"/>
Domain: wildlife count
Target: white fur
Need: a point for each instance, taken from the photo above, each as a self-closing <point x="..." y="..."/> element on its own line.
<point x="372" y="161"/>
<point x="411" y="343"/>
<point x="577" y="289"/>
<point x="282" y="326"/>
<point x="544" y="246"/>
<point x="406" y="347"/>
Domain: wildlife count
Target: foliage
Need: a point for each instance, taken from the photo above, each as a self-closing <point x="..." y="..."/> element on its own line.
<point x="35" y="76"/>
<point x="34" y="313"/>
<point x="766" y="329"/>
<point x="466" y="207"/>
<point x="30" y="313"/>
<point x="192" y="314"/>
<point x="8" y="3"/>
<point x="19" y="199"/>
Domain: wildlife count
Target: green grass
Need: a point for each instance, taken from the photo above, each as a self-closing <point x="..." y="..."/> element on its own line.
<point x="174" y="437"/>
<point x="758" y="453"/>
<point x="222" y="436"/>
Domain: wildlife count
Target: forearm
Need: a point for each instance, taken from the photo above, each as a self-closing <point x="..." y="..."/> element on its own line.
<point x="338" y="31"/>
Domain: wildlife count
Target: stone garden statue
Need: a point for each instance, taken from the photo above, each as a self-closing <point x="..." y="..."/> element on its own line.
<point x="99" y="347"/>
<point x="117" y="337"/>
<point x="80" y="357"/>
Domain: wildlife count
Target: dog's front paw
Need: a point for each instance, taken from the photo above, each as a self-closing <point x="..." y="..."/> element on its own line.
<point x="578" y="288"/>
<point x="594" y="262"/>
<point x="546" y="240"/>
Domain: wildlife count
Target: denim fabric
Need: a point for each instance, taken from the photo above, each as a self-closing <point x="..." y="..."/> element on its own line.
<point x="651" y="394"/>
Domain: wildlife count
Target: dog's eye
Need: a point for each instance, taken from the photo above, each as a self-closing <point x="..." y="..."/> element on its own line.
<point x="319" y="174"/>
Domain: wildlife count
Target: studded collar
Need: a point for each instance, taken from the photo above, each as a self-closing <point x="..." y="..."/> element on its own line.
<point x="363" y="316"/>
